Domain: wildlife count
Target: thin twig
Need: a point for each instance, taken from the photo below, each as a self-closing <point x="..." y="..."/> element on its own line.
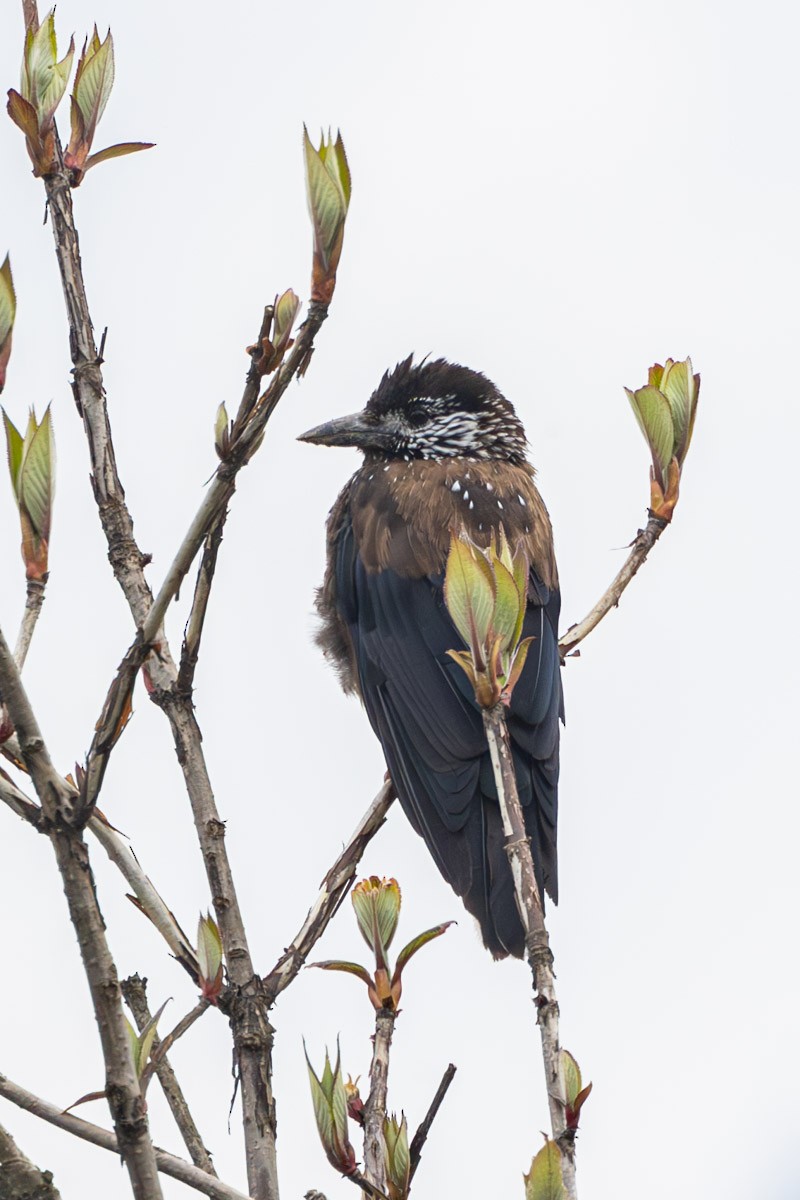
<point x="333" y="889"/>
<point x="375" y="1107"/>
<point x="641" y="546"/>
<point x="168" y="1164"/>
<point x="202" y="593"/>
<point x="19" y="1178"/>
<point x="147" y="898"/>
<point x="537" y="942"/>
<point x="134" y="990"/>
<point x="421" y="1136"/>
<point x="57" y="799"/>
<point x="34" y="599"/>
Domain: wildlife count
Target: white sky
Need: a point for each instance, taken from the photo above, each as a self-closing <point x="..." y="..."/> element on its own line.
<point x="558" y="195"/>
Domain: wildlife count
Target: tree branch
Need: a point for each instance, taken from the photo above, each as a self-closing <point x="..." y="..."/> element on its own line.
<point x="34" y="599"/>
<point x="17" y="801"/>
<point x="334" y="888"/>
<point x="19" y="1178"/>
<point x="375" y="1107"/>
<point x="57" y="799"/>
<point x="641" y="546"/>
<point x="134" y="990"/>
<point x="537" y="942"/>
<point x="168" y="1164"/>
<point x="421" y="1136"/>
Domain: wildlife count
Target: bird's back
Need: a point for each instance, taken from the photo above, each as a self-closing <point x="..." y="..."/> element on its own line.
<point x="386" y="628"/>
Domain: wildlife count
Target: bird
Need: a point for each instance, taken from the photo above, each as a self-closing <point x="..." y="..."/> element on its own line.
<point x="444" y="452"/>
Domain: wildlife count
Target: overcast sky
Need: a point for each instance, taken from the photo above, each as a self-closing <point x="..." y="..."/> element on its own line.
<point x="558" y="195"/>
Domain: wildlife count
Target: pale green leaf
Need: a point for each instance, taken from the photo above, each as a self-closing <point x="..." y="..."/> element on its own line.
<point x="508" y="606"/>
<point x="118" y="151"/>
<point x="469" y="591"/>
<point x="209" y="947"/>
<point x="15" y="447"/>
<point x="545" y="1181"/>
<point x="8" y="300"/>
<point x="94" y="81"/>
<point x="653" y="413"/>
<point x="326" y="199"/>
<point x="675" y="385"/>
<point x="44" y="78"/>
<point x="416" y="944"/>
<point x="350" y="968"/>
<point x="572" y="1076"/>
<point x="145" y="1041"/>
<point x="36" y="479"/>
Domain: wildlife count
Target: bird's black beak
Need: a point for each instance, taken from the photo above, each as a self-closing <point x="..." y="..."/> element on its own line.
<point x="346" y="431"/>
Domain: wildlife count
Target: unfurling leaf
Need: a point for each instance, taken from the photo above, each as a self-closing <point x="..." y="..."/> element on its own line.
<point x="377" y="908"/>
<point x="209" y="958"/>
<point x="397" y="1157"/>
<point x="665" y="410"/>
<point x="328" y="187"/>
<point x="42" y="86"/>
<point x="486" y="592"/>
<point x="8" y="311"/>
<point x="31" y="461"/>
<point x="545" y="1181"/>
<point x="222" y="432"/>
<point x="576" y="1094"/>
<point x="330" y="1111"/>
<point x="142" y="1043"/>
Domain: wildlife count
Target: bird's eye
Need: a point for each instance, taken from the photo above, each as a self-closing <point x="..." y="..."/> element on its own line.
<point x="417" y="418"/>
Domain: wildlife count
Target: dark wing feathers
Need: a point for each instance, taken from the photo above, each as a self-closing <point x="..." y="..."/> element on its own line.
<point x="420" y="705"/>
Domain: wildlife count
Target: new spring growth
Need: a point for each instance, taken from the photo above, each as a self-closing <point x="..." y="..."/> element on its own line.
<point x="576" y="1093"/>
<point x="42" y="86"/>
<point x="32" y="464"/>
<point x="328" y="187"/>
<point x="377" y="908"/>
<point x="544" y="1181"/>
<point x="330" y="1111"/>
<point x="94" y="79"/>
<point x="665" y="410"/>
<point x="396" y="1157"/>
<point x="209" y="958"/>
<point x="142" y="1043"/>
<point x="485" y="591"/>
<point x="8" y="311"/>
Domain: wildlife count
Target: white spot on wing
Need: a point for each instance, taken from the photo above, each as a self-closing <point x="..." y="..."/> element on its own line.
<point x="522" y="499"/>
<point x="456" y="486"/>
<point x="499" y="503"/>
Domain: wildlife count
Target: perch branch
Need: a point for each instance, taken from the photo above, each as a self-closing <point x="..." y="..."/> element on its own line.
<point x="168" y="1164"/>
<point x="34" y="599"/>
<point x="537" y="942"/>
<point x="17" y="801"/>
<point x="375" y="1107"/>
<point x="640" y="547"/>
<point x="134" y="990"/>
<point x="333" y="889"/>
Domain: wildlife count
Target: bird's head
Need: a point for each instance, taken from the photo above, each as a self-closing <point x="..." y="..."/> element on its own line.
<point x="431" y="410"/>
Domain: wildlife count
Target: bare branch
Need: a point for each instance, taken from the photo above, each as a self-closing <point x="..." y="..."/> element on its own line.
<point x="34" y="599"/>
<point x="19" y="1178"/>
<point x="57" y="799"/>
<point x="17" y="801"/>
<point x="375" y="1107"/>
<point x="135" y="993"/>
<point x="202" y="593"/>
<point x="537" y="942"/>
<point x="168" y="1164"/>
<point x="148" y="899"/>
<point x="421" y="1136"/>
<point x="641" y="546"/>
<point x="334" y="888"/>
